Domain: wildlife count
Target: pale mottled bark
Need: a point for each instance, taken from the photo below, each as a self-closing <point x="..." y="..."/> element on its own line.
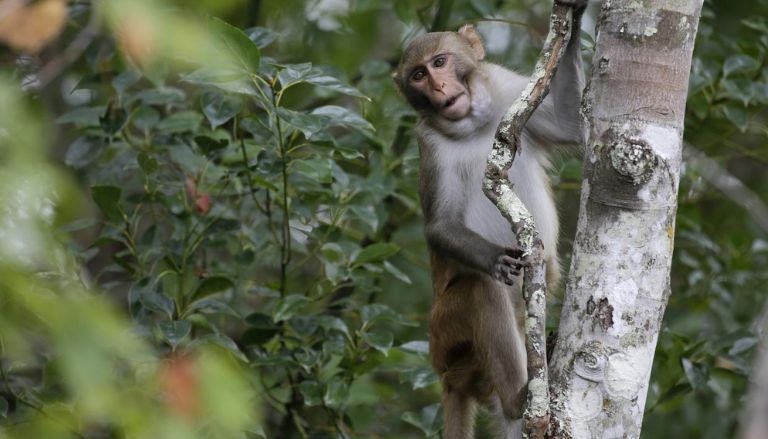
<point x="498" y="189"/>
<point x="618" y="283"/>
<point x="755" y="418"/>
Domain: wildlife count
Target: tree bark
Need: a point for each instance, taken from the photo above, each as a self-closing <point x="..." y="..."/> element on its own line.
<point x="754" y="422"/>
<point x="498" y="189"/>
<point x="618" y="283"/>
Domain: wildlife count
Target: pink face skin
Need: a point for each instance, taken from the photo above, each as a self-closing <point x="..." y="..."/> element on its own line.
<point x="436" y="79"/>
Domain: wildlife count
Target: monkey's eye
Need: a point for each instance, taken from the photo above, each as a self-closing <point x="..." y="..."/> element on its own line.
<point x="439" y="62"/>
<point x="418" y="75"/>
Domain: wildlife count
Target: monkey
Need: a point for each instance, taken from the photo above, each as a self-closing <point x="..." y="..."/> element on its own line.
<point x="476" y="333"/>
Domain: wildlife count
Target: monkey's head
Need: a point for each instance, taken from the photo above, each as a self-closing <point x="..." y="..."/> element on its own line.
<point x="435" y="69"/>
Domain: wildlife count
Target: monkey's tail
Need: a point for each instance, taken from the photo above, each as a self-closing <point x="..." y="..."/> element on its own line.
<point x="459" y="414"/>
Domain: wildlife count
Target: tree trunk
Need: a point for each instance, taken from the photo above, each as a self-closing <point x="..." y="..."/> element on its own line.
<point x="754" y="422"/>
<point x="618" y="284"/>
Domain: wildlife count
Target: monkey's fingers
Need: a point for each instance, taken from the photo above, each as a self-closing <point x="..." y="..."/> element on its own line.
<point x="506" y="273"/>
<point x="510" y="261"/>
<point x="514" y="251"/>
<point x="506" y="279"/>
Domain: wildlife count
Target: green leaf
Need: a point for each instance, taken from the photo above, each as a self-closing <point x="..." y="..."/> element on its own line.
<point x="379" y="340"/>
<point x="257" y="337"/>
<point x="737" y="88"/>
<point x="3" y="407"/>
<point x="308" y="124"/>
<point x="312" y="391"/>
<point x="394" y="271"/>
<point x="158" y="302"/>
<point x="147" y="163"/>
<point x="331" y="83"/>
<point x="175" y="331"/>
<point x="244" y="53"/>
<point x="696" y="373"/>
<point x="261" y="36"/>
<point x="213" y="285"/>
<point x="742" y="345"/>
<point x="336" y="393"/>
<point x="212" y="306"/>
<point x="332" y="252"/>
<point x="759" y="92"/>
<point x="82" y="152"/>
<point x="222" y="341"/>
<point x="331" y="323"/>
<point x="739" y="63"/>
<point x="125" y="80"/>
<point x="308" y="358"/>
<point x="375" y="253"/>
<point x="160" y="96"/>
<point x="673" y="392"/>
<point x="288" y="306"/>
<point x="209" y="145"/>
<point x="85" y="116"/>
<point x="376" y="311"/>
<point x="145" y="118"/>
<point x="180" y="122"/>
<point x="428" y="421"/>
<point x="757" y="23"/>
<point x="226" y="80"/>
<point x="108" y="200"/>
<point x="315" y="168"/>
<point x="80" y="224"/>
<point x="416" y="347"/>
<point x="341" y="116"/>
<point x="292" y="74"/>
<point x="219" y="108"/>
<point x="113" y="119"/>
<point x="262" y="329"/>
<point x="737" y="116"/>
<point x="260" y="320"/>
<point x="419" y="377"/>
<point x="366" y="214"/>
<point x="261" y="182"/>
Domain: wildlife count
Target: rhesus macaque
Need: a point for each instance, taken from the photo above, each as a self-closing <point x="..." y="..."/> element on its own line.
<point x="476" y="323"/>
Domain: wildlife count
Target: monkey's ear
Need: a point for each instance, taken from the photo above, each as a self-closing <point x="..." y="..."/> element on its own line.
<point x="469" y="32"/>
<point x="396" y="79"/>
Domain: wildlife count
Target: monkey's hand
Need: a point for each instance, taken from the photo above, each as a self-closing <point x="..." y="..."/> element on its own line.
<point x="577" y="5"/>
<point x="508" y="265"/>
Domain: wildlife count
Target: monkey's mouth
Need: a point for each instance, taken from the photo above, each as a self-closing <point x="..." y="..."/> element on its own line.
<point x="452" y="100"/>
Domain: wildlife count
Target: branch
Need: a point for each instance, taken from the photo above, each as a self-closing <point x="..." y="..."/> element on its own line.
<point x="72" y="53"/>
<point x="498" y="189"/>
<point x="728" y="184"/>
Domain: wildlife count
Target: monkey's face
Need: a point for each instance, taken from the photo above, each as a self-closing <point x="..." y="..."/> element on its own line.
<point x="438" y="79"/>
<point x="433" y="74"/>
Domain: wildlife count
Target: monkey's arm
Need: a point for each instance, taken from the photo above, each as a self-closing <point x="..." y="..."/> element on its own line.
<point x="452" y="238"/>
<point x="557" y="120"/>
<point x="448" y="235"/>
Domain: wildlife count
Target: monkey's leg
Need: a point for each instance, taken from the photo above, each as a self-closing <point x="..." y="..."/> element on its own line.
<point x="459" y="413"/>
<point x="505" y="427"/>
<point x="501" y="345"/>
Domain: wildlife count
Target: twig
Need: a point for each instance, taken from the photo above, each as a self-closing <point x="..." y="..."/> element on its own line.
<point x="498" y="189"/>
<point x="54" y="67"/>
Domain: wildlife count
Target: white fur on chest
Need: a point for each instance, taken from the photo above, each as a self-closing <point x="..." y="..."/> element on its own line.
<point x="462" y="161"/>
<point x="462" y="173"/>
